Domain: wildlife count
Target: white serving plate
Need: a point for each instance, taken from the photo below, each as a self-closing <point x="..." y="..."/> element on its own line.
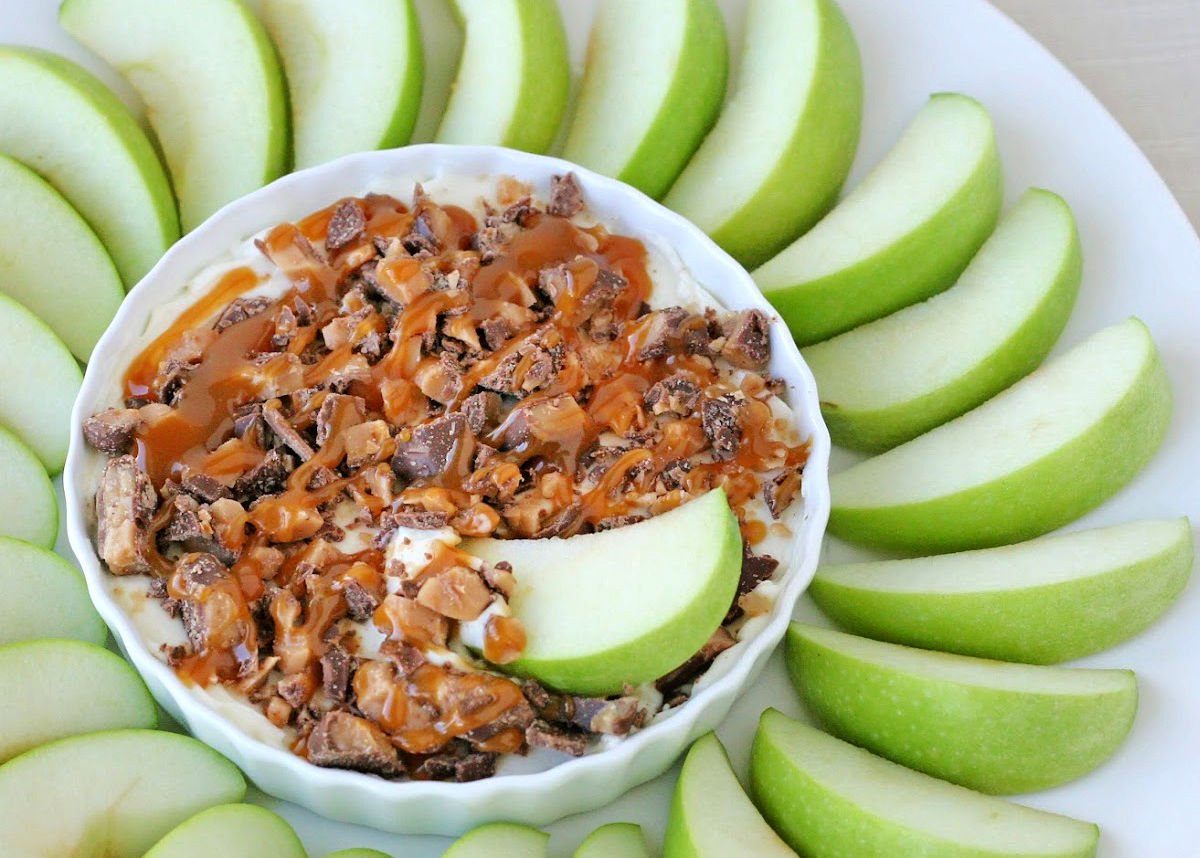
<point x="543" y="787"/>
<point x="1142" y="257"/>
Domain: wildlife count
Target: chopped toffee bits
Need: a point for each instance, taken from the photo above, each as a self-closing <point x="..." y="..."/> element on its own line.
<point x="295" y="472"/>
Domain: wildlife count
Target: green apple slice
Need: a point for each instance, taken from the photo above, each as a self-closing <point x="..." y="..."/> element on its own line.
<point x="60" y="688"/>
<point x="622" y="606"/>
<point x="892" y="379"/>
<point x="42" y="595"/>
<point x="615" y="840"/>
<point x="780" y="152"/>
<point x="711" y="817"/>
<point x="652" y="89"/>
<point x="903" y="234"/>
<point x="517" y="101"/>
<point x="68" y="127"/>
<point x="354" y="71"/>
<point x="52" y="262"/>
<point x="358" y="853"/>
<point x="1040" y="602"/>
<point x="1051" y="447"/>
<point x="28" y="507"/>
<point x="41" y="379"/>
<point x="830" y="799"/>
<point x="242" y="830"/>
<point x="212" y="85"/>
<point x="500" y="840"/>
<point x="993" y="726"/>
<point x="111" y="794"/>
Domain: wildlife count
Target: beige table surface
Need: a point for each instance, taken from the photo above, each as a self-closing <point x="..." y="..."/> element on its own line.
<point x="1141" y="58"/>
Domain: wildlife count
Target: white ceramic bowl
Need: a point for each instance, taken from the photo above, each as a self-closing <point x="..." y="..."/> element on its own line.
<point x="426" y="807"/>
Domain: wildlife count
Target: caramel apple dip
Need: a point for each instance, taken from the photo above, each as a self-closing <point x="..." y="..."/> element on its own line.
<point x="301" y="451"/>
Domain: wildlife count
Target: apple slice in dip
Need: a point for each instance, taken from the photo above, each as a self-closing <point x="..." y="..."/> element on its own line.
<point x="310" y="457"/>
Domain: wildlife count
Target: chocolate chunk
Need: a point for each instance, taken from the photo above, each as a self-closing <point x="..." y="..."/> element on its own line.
<point x="456" y="763"/>
<point x="474" y="767"/>
<point x="112" y="430"/>
<point x="239" y="310"/>
<point x="373" y="346"/>
<point x="405" y="656"/>
<point x="540" y="699"/>
<point x="168" y="383"/>
<point x="720" y="641"/>
<point x="503" y="377"/>
<point x="190" y="527"/>
<point x="521" y="212"/>
<point x="496" y="332"/>
<point x="756" y="568"/>
<point x="615" y="717"/>
<point x="612" y="522"/>
<point x="664" y="331"/>
<point x="434" y="448"/>
<point x="204" y="488"/>
<point x="268" y="477"/>
<point x="421" y="240"/>
<point x="345" y="741"/>
<point x="747" y="339"/>
<point x="360" y="604"/>
<point x="200" y="570"/>
<point x="212" y="618"/>
<point x="347" y="225"/>
<point x="337" y="665"/>
<point x="781" y="490"/>
<point x="285" y="432"/>
<point x="125" y="503"/>
<point x="297" y="689"/>
<point x="518" y="716"/>
<point x="489" y="240"/>
<point x="482" y="411"/>
<point x="604" y="292"/>
<point x="565" y="740"/>
<point x="566" y="199"/>
<point x="720" y="419"/>
<point x="564" y="523"/>
<point x="248" y="422"/>
<point x="676" y="394"/>
<point x="419" y="518"/>
<point x="673" y="475"/>
<point x="353" y="407"/>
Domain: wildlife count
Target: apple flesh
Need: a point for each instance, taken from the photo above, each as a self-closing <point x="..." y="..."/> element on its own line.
<point x="52" y="262"/>
<point x="1043" y="601"/>
<point x="61" y="122"/>
<point x="114" y="793"/>
<point x="242" y="830"/>
<point x="354" y="72"/>
<point x="60" y="688"/>
<point x="601" y="610"/>
<point x="500" y="840"/>
<point x="518" y="102"/>
<point x="41" y="380"/>
<point x="652" y="89"/>
<point x="903" y="234"/>
<point x="212" y="85"/>
<point x="892" y="379"/>
<point x="711" y="817"/>
<point x="993" y="726"/>
<point x="43" y="596"/>
<point x="1051" y="447"/>
<point x="829" y="799"/>
<point x="28" y="507"/>
<point x="779" y="154"/>
<point x="615" y="840"/>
